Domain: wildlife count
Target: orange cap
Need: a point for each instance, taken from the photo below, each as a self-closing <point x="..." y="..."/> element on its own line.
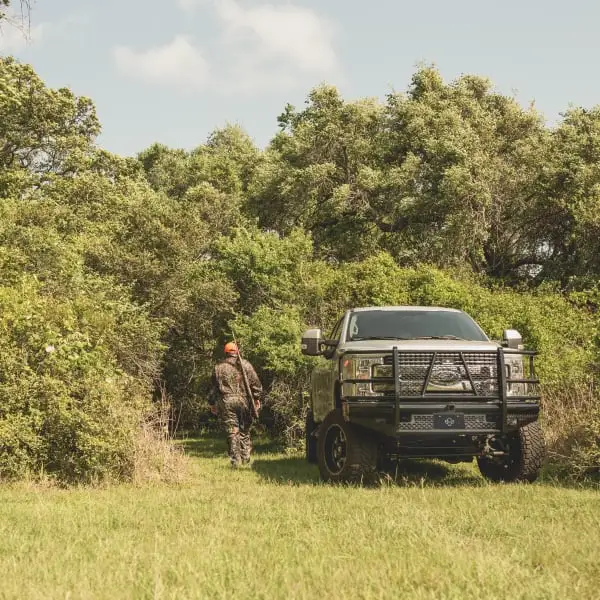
<point x="231" y="348"/>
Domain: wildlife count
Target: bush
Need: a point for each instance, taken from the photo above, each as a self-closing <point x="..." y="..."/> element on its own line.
<point x="72" y="397"/>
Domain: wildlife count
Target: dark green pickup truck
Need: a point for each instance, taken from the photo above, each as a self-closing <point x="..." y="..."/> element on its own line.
<point x="421" y="382"/>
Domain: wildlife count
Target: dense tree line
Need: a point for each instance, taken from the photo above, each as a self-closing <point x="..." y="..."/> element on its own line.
<point x="121" y="277"/>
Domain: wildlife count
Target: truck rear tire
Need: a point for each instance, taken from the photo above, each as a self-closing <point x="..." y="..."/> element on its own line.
<point x="311" y="440"/>
<point x="526" y="451"/>
<point x="345" y="452"/>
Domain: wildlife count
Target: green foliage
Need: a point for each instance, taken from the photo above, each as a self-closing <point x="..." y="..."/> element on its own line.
<point x="584" y="458"/>
<point x="442" y="174"/>
<point x="559" y="331"/>
<point x="308" y="177"/>
<point x="226" y="162"/>
<point x="134" y="270"/>
<point x="565" y="213"/>
<point x="69" y="407"/>
<point x="42" y="130"/>
<point x="272" y="338"/>
<point x="266" y="268"/>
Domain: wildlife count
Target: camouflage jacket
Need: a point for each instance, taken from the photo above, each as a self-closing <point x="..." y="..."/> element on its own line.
<point x="227" y="380"/>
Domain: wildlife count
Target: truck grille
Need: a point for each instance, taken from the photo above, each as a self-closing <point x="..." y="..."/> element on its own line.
<point x="425" y="423"/>
<point x="446" y="372"/>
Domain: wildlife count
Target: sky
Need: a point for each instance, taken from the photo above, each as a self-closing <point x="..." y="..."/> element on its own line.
<point x="172" y="71"/>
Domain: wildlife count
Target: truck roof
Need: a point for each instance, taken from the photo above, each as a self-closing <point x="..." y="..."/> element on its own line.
<point x="406" y="308"/>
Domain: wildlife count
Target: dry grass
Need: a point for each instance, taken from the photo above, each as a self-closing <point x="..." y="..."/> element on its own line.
<point x="571" y="421"/>
<point x="157" y="459"/>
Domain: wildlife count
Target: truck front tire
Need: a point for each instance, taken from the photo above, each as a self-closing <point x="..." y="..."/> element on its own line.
<point x="345" y="453"/>
<point x="525" y="456"/>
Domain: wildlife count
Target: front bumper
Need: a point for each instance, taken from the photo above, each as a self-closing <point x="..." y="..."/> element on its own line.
<point x="482" y="411"/>
<point x="419" y="418"/>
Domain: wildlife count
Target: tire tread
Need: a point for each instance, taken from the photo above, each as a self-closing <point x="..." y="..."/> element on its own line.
<point x="361" y="459"/>
<point x="532" y="451"/>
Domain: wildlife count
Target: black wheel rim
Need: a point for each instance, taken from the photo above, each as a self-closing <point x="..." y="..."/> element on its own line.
<point x="335" y="449"/>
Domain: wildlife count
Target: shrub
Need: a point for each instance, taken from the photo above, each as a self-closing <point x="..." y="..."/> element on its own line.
<point x="72" y="397"/>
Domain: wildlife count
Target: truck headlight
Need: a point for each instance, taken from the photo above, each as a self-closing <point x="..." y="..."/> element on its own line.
<point x="360" y="367"/>
<point x="515" y="370"/>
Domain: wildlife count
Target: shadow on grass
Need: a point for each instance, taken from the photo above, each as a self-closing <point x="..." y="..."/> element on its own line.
<point x="295" y="470"/>
<point x="214" y="445"/>
<point x="430" y="473"/>
<point x="286" y="471"/>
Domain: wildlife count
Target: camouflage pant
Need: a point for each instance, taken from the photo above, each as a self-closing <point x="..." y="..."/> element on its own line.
<point x="236" y="419"/>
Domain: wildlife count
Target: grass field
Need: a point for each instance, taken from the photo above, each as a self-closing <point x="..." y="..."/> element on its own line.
<point x="273" y="531"/>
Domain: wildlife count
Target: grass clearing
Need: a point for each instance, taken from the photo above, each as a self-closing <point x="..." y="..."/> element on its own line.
<point x="273" y="531"/>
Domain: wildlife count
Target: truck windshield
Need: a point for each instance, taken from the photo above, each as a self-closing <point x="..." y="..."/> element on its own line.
<point x="413" y="325"/>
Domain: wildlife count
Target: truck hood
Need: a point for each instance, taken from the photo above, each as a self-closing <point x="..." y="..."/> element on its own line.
<point x="412" y="345"/>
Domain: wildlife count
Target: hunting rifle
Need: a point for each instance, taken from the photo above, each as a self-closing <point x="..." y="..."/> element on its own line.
<point x="251" y="402"/>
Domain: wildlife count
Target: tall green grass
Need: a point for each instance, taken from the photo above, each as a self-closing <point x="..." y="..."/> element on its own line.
<point x="273" y="531"/>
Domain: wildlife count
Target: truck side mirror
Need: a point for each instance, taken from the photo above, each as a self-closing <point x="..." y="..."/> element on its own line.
<point x="311" y="342"/>
<point x="511" y="338"/>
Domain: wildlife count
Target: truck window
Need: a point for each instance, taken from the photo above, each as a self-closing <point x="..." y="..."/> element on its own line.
<point x="337" y="330"/>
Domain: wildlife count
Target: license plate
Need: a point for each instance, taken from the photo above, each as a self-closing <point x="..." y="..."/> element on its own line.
<point x="449" y="421"/>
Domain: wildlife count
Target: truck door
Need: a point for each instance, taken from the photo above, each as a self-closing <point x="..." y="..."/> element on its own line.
<point x="324" y="378"/>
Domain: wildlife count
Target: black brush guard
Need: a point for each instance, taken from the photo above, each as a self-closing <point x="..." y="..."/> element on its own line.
<point x="389" y="414"/>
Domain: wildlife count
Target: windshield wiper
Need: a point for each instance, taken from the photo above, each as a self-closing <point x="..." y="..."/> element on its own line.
<point x="378" y="337"/>
<point x="439" y="337"/>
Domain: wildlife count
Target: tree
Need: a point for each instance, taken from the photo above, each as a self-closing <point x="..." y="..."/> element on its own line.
<point x="440" y="174"/>
<point x="79" y="352"/>
<point x="310" y="173"/>
<point x="226" y="162"/>
<point x="43" y="131"/>
<point x="564" y="221"/>
<point x="458" y="161"/>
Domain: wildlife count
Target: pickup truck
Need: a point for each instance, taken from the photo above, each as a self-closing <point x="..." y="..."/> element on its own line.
<point x="399" y="382"/>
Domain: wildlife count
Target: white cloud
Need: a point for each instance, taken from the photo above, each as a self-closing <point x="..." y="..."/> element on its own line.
<point x="178" y="63"/>
<point x="267" y="46"/>
<point x="292" y="33"/>
<point x="14" y="39"/>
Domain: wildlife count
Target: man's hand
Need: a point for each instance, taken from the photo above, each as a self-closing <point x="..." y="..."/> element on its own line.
<point x="213" y="409"/>
<point x="257" y="404"/>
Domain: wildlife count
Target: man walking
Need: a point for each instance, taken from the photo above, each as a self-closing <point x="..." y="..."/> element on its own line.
<point x="228" y="400"/>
